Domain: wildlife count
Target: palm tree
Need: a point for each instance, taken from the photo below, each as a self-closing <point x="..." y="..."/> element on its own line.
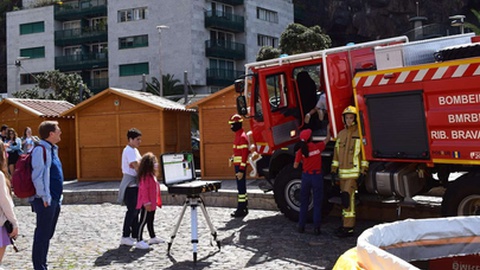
<point x="472" y="26"/>
<point x="171" y="86"/>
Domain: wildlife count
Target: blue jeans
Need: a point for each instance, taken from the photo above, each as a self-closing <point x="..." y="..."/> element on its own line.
<point x="310" y="182"/>
<point x="47" y="218"/>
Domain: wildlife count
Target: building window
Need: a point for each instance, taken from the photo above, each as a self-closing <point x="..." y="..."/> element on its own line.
<point x="222" y="10"/>
<point x="29" y="78"/>
<point x="134" y="14"/>
<point x="134" y="69"/>
<point x="71" y="25"/>
<point x="30" y="28"/>
<point x="133" y="42"/>
<point x="267" y="15"/>
<point x="38" y="52"/>
<point x="263" y="40"/>
<point x="221" y="65"/>
<point x="74" y="50"/>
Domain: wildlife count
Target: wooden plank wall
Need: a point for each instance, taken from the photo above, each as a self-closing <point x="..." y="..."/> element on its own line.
<point x="216" y="138"/>
<point x="19" y="119"/>
<point x="100" y="151"/>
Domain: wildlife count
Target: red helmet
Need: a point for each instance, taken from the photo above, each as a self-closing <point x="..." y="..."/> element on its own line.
<point x="305" y="134"/>
<point x="236" y="118"/>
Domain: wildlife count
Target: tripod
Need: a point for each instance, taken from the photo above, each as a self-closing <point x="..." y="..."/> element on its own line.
<point x="193" y="201"/>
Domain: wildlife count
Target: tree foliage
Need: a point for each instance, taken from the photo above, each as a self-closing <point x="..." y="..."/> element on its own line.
<point x="299" y="39"/>
<point x="472" y="26"/>
<point x="268" y="52"/>
<point x="171" y="86"/>
<point x="57" y="86"/>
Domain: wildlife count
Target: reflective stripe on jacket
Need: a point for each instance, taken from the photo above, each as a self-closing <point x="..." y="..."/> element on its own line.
<point x="240" y="149"/>
<point x="347" y="155"/>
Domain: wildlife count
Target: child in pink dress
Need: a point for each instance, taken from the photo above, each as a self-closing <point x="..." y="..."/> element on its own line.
<point x="149" y="198"/>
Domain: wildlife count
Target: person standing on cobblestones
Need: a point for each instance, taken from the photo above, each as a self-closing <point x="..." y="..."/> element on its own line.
<point x="309" y="154"/>
<point x="350" y="166"/>
<point x="128" y="191"/>
<point x="240" y="155"/>
<point x="47" y="177"/>
<point x="149" y="199"/>
<point x="6" y="205"/>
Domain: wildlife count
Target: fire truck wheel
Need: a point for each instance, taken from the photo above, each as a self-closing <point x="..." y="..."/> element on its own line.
<point x="462" y="197"/>
<point x="286" y="192"/>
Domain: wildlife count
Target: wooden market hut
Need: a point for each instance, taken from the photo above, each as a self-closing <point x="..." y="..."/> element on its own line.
<point x="102" y="123"/>
<point x="20" y="113"/>
<point x="216" y="138"/>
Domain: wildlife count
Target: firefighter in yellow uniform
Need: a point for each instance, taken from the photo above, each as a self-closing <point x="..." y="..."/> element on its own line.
<point x="240" y="155"/>
<point x="349" y="165"/>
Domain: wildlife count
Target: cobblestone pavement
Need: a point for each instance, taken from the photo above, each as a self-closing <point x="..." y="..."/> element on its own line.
<point x="87" y="237"/>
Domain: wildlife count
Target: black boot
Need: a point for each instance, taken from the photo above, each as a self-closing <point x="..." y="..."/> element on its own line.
<point x="239" y="213"/>
<point x="343" y="232"/>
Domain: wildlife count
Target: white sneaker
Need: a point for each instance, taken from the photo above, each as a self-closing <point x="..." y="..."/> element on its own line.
<point x="142" y="245"/>
<point x="127" y="241"/>
<point x="155" y="240"/>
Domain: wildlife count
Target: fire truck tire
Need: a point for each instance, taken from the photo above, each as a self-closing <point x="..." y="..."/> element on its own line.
<point x="462" y="197"/>
<point x="286" y="192"/>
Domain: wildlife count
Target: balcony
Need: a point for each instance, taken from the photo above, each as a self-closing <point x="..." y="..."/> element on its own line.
<point x="97" y="85"/>
<point x="81" y="61"/>
<point x="231" y="2"/>
<point x="80" y="9"/>
<point x="224" y="21"/>
<point x="81" y="36"/>
<point x="222" y="77"/>
<point x="225" y="49"/>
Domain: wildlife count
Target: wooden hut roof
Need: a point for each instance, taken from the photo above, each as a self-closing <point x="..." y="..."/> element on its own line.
<point x="148" y="99"/>
<point x="40" y="107"/>
<point x="212" y="96"/>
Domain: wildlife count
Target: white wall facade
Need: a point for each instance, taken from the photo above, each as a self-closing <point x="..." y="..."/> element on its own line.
<point x="182" y="45"/>
<point x="16" y="42"/>
<point x="255" y="26"/>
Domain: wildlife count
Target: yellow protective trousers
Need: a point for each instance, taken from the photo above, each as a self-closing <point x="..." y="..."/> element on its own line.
<point x="348" y="214"/>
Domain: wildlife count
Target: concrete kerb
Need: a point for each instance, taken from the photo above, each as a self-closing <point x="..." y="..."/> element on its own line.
<point x="106" y="192"/>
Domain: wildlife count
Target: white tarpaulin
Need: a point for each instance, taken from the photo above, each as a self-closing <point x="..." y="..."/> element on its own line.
<point x="420" y="239"/>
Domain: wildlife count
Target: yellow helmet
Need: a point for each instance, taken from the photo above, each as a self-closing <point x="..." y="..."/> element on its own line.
<point x="236" y="118"/>
<point x="350" y="109"/>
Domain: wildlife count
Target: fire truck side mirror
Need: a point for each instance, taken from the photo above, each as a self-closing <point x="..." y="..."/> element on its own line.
<point x="239" y="85"/>
<point x="242" y="105"/>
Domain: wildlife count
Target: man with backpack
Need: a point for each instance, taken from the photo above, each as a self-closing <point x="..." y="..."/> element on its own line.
<point x="47" y="177"/>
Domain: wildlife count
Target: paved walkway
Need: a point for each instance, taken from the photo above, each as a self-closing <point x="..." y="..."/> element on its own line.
<point x="87" y="237"/>
<point x="89" y="230"/>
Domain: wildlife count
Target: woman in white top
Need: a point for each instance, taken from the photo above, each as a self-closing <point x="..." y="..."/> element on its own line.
<point x="6" y="204"/>
<point x="28" y="140"/>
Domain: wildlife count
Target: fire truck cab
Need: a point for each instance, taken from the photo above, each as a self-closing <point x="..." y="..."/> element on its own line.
<point x="417" y="112"/>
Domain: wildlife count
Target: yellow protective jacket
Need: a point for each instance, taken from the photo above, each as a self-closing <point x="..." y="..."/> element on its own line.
<point x="347" y="156"/>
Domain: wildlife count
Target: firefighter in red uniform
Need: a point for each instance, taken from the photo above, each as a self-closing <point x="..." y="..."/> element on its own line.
<point x="349" y="165"/>
<point x="240" y="155"/>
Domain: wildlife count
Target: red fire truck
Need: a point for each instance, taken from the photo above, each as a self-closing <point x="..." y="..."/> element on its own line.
<point x="418" y="108"/>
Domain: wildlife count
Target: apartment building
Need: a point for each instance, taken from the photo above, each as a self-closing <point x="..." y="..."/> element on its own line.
<point x="119" y="43"/>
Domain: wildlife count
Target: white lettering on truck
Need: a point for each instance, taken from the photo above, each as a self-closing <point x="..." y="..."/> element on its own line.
<point x="438" y="134"/>
<point x="459" y="99"/>
<point x="464" y="118"/>
<point x="465" y="134"/>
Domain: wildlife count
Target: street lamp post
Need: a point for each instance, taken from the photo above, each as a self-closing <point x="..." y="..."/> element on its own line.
<point x="18" y="64"/>
<point x="160" y="80"/>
